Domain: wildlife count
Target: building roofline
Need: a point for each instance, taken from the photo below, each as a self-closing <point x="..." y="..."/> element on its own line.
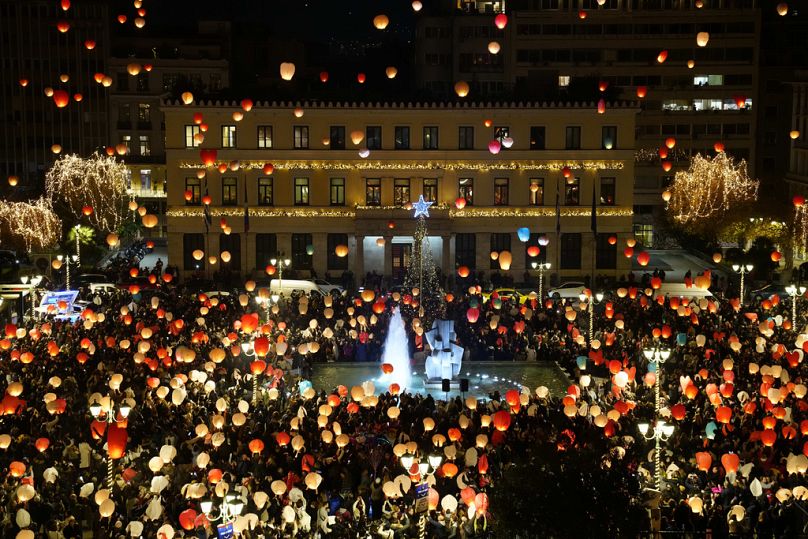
<point x="394" y="105"/>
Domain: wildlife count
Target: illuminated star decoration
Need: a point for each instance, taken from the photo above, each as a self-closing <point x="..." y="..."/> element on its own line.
<point x="421" y="207"/>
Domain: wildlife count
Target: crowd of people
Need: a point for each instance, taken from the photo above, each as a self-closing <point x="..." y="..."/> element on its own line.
<point x="220" y="410"/>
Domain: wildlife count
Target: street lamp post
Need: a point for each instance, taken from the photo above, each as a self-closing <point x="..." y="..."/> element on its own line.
<point x="657" y="356"/>
<point x="281" y="263"/>
<point x="590" y="306"/>
<point x="660" y="432"/>
<point x="429" y="467"/>
<point x="96" y="409"/>
<point x="794" y="291"/>
<point x="249" y="350"/>
<point x="541" y="266"/>
<point x="231" y="507"/>
<point x="742" y="269"/>
<point x="78" y="248"/>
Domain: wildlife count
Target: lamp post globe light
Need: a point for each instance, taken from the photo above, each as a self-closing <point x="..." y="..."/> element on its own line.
<point x="660" y="432"/>
<point x="425" y="468"/>
<point x="591" y="300"/>
<point x="231" y="506"/>
<point x="541" y="266"/>
<point x="742" y="269"/>
<point x="657" y="356"/>
<point x="280" y="262"/>
<point x="107" y="407"/>
<point x="795" y="292"/>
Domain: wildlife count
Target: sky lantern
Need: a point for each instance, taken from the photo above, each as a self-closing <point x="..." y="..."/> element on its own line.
<point x="719" y="147"/>
<point x="582" y="14"/>
<point x="662" y="56"/>
<point x="391" y="72"/>
<point x="361" y="78"/>
<point x="704" y="460"/>
<point x="501" y="21"/>
<point x="494" y="147"/>
<point x="323" y="76"/>
<point x="417" y="5"/>
<point x="380" y="22"/>
<point x="63" y="26"/>
<point x="494" y="47"/>
<point x="643" y="258"/>
<point x="187" y="98"/>
<point x="601" y="106"/>
<point x="208" y="157"/>
<point x="670" y="143"/>
<point x="61" y="98"/>
<point x="341" y="250"/>
<point x="287" y="70"/>
<point x="702" y="38"/>
<point x="501" y="420"/>
<point x="461" y="88"/>
<point x="116" y="441"/>
<point x="642" y="91"/>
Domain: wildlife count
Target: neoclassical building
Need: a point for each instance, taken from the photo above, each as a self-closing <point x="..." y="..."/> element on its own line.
<point x="300" y="179"/>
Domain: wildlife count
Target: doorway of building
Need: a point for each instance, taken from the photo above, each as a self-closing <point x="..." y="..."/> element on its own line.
<point x="402" y="252"/>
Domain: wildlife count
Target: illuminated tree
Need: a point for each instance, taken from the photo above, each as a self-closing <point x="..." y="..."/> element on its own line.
<point x="29" y="226"/>
<point x="97" y="183"/>
<point x="703" y="195"/>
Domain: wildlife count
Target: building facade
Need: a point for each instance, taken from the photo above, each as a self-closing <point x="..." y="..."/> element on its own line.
<point x="797" y="175"/>
<point x="553" y="47"/>
<point x="144" y="70"/>
<point x="320" y="193"/>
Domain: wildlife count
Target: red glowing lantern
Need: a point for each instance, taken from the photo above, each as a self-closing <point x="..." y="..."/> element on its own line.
<point x="387" y="368"/>
<point x="566" y="172"/>
<point x="187" y="519"/>
<point x="361" y="78"/>
<point x="87" y="210"/>
<point x="723" y="414"/>
<point x="116" y="441"/>
<point x="323" y="76"/>
<point x="643" y="258"/>
<point x="501" y="420"/>
<point x="268" y="168"/>
<point x="454" y="434"/>
<point x="61" y="98"/>
<point x="533" y="251"/>
<point x="718" y="147"/>
<point x="472" y="315"/>
<point x="208" y="157"/>
<point x="42" y="444"/>
<point x="257" y="367"/>
<point x="261" y="346"/>
<point x="463" y="271"/>
<point x="282" y="439"/>
<point x="642" y="91"/>
<point x="63" y="26"/>
<point x="500" y="21"/>
<point x="730" y="462"/>
<point x="662" y="56"/>
<point x="460" y="203"/>
<point x="704" y="460"/>
<point x="449" y="469"/>
<point x="678" y="411"/>
<point x="256" y="445"/>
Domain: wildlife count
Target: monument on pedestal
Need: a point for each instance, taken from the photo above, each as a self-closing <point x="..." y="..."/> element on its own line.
<point x="445" y="357"/>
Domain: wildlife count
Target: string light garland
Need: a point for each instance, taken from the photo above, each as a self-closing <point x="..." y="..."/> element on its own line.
<point x="199" y="211"/>
<point x="416" y="165"/>
<point x="800" y="230"/>
<point x="651" y="155"/>
<point x="98" y="181"/>
<point x="29" y="225"/>
<point x="709" y="189"/>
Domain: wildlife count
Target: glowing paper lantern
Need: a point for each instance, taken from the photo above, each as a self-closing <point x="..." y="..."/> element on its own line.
<point x="287" y="70"/>
<point x="500" y="21"/>
<point x="702" y="38"/>
<point x="461" y="88"/>
<point x="380" y="22"/>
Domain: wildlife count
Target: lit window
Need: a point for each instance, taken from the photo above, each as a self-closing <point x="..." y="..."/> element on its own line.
<point x="563" y="81"/>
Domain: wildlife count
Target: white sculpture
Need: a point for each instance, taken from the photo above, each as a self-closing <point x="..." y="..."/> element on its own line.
<point x="445" y="357"/>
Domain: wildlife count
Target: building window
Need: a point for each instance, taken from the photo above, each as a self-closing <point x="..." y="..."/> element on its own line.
<point x="502" y="132"/>
<point x="144" y="113"/>
<point x="644" y="234"/>
<point x="301" y="191"/>
<point x="125" y="116"/>
<point x="336" y="262"/>
<point x="194" y="187"/>
<point x="402" y="137"/>
<point x="573" y="140"/>
<point x="228" y="136"/>
<point x="145" y="179"/>
<point x="500" y="241"/>
<point x="537" y="137"/>
<point x="605" y="254"/>
<point x="143" y="81"/>
<point x="608" y="137"/>
<point x="607" y="191"/>
<point x="190" y="138"/>
<point x="301" y="137"/>
<point x="465" y="137"/>
<point x="501" y="191"/>
<point x="123" y="82"/>
<point x="536" y="193"/>
<point x="265" y="194"/>
<point x="301" y="259"/>
<point x="337" y="137"/>
<point x="401" y="191"/>
<point x="571" y="251"/>
<point x="466" y="250"/>
<point x="266" y="248"/>
<point x="229" y="192"/>
<point x="532" y="243"/>
<point x="144" y="145"/>
<point x="465" y="189"/>
<point x="563" y="81"/>
<point x="126" y="140"/>
<point x="232" y="244"/>
<point x="430" y="189"/>
<point x="265" y="136"/>
<point x="337" y="191"/>
<point x="430" y="138"/>
<point x="373" y="192"/>
<point x="373" y="137"/>
<point x="191" y="243"/>
<point x="572" y="193"/>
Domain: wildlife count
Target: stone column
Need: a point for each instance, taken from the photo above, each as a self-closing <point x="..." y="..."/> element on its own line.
<point x="483" y="241"/>
<point x="446" y="261"/>
<point x="359" y="259"/>
<point x="388" y="256"/>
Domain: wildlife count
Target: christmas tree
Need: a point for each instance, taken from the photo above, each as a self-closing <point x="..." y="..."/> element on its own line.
<point x="422" y="272"/>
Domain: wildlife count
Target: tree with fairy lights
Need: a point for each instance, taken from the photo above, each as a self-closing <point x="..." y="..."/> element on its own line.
<point x="702" y="197"/>
<point x="92" y="188"/>
<point x="422" y="272"/>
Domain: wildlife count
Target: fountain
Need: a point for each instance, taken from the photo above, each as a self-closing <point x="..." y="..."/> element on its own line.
<point x="396" y="352"/>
